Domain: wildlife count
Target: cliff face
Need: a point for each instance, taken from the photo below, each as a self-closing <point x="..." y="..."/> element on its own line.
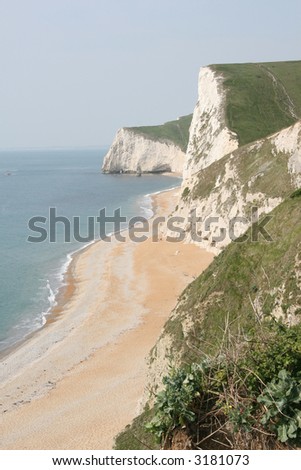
<point x="244" y="152"/>
<point x="224" y="181"/>
<point x="259" y="175"/>
<point x="247" y="279"/>
<point x="132" y="152"/>
<point x="149" y="149"/>
<point x="209" y="138"/>
<point x="247" y="283"/>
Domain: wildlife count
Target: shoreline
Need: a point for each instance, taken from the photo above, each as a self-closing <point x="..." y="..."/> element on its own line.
<point x="115" y="303"/>
<point x="62" y="296"/>
<point x="67" y="288"/>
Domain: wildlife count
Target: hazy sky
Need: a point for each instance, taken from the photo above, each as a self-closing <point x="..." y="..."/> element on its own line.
<point x="73" y="71"/>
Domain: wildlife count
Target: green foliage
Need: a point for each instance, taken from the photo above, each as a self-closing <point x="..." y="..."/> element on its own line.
<point x="260" y="386"/>
<point x="296" y="193"/>
<point x="246" y="354"/>
<point x="224" y="292"/>
<point x="185" y="193"/>
<point x="135" y="436"/>
<point x="275" y="348"/>
<point x="174" y="405"/>
<point x="282" y="402"/>
<point x="241" y="418"/>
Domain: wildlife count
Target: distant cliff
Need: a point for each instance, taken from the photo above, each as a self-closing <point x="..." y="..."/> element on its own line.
<point x="150" y="149"/>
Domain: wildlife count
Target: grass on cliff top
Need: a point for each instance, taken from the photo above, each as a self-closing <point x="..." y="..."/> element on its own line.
<point x="176" y="132"/>
<point x="262" y="98"/>
<point x="242" y="273"/>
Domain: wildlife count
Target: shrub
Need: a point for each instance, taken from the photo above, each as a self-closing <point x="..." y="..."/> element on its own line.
<point x="254" y="390"/>
<point x="282" y="402"/>
<point x="185" y="193"/>
<point x="174" y="405"/>
<point x="296" y="193"/>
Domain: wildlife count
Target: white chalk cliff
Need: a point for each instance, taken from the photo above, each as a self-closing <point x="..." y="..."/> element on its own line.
<point x="131" y="152"/>
<point x="222" y="184"/>
<point x="222" y="180"/>
<point x="258" y="175"/>
<point x="209" y="138"/>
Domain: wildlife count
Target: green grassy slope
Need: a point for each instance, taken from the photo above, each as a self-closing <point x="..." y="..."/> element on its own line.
<point x="261" y="98"/>
<point x="260" y="168"/>
<point x="226" y="293"/>
<point x="242" y="273"/>
<point x="135" y="436"/>
<point x="176" y="132"/>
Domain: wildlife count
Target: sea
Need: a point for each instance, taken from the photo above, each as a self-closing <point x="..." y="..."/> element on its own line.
<point x="69" y="183"/>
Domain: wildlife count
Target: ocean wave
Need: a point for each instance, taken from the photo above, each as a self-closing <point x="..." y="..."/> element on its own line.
<point x="147" y="206"/>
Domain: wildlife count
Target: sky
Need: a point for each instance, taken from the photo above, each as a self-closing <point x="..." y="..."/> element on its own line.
<point x="74" y="71"/>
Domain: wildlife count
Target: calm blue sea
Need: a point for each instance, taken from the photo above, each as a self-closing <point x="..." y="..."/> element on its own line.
<point x="30" y="183"/>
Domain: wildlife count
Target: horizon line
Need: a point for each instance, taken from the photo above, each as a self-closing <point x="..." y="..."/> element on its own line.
<point x="80" y="147"/>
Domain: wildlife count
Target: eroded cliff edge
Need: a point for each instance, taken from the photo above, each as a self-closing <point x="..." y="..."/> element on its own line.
<point x="244" y="148"/>
<point x="149" y="149"/>
<point x="242" y="155"/>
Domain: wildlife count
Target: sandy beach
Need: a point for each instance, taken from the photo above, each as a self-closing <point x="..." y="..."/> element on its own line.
<point x="78" y="381"/>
